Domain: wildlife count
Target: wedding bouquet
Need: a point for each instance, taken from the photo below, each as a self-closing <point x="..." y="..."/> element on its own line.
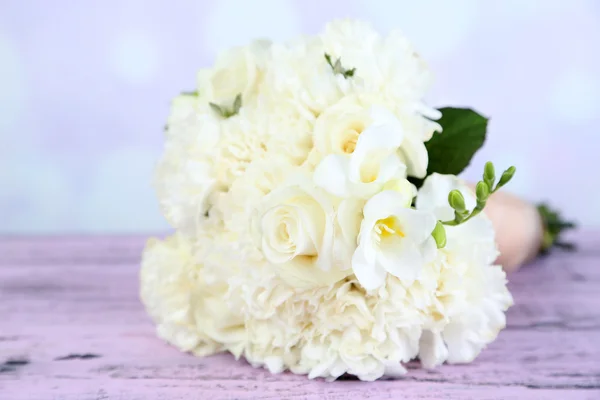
<point x="319" y="224"/>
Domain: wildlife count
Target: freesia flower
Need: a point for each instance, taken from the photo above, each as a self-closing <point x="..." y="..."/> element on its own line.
<point x="393" y="239"/>
<point x="370" y="165"/>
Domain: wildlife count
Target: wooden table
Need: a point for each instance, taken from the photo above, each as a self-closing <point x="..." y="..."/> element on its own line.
<point x="72" y="327"/>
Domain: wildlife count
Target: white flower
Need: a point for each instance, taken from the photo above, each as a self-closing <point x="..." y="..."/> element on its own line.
<point x="260" y="178"/>
<point x="393" y="239"/>
<point x="300" y="75"/>
<point x="387" y="67"/>
<point x="185" y="178"/>
<point x="237" y="71"/>
<point x="472" y="294"/>
<point x="288" y="128"/>
<point x="295" y="228"/>
<point x="432" y="350"/>
<point x="242" y="141"/>
<point x="370" y="165"/>
<point x="167" y="285"/>
<point x="183" y="187"/>
<point x="487" y="299"/>
<point x="338" y="129"/>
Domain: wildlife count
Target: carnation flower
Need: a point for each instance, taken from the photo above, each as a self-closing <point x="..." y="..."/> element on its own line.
<point x="167" y="285"/>
<point x="239" y="70"/>
<point x="300" y="76"/>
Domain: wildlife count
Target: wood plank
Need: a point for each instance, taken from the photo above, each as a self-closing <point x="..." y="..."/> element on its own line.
<point x="72" y="327"/>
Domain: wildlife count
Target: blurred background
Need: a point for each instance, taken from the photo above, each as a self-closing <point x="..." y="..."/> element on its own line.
<point x="85" y="89"/>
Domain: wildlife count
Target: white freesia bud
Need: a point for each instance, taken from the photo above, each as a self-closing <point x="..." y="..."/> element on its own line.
<point x="294" y="227"/>
<point x="393" y="239"/>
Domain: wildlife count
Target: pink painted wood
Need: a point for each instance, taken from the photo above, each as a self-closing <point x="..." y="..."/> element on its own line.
<point x="72" y="328"/>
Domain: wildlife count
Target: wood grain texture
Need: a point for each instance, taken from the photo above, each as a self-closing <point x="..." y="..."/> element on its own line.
<point x="72" y="328"/>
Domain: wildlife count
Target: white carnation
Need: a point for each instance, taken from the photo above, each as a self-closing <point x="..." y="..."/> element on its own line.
<point x="471" y="296"/>
<point x="185" y="178"/>
<point x="239" y="70"/>
<point x="168" y="282"/>
<point x="300" y="75"/>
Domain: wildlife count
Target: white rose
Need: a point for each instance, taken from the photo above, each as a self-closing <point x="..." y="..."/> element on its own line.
<point x="393" y="239"/>
<point x="237" y="71"/>
<point x="370" y="165"/>
<point x="294" y="226"/>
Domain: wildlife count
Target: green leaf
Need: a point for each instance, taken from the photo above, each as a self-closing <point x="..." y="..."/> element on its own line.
<point x="227" y="112"/>
<point x="237" y="103"/>
<point x="451" y="151"/>
<point x="337" y="67"/>
<point x="216" y="108"/>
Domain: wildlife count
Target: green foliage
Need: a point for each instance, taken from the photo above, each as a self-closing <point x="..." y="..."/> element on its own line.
<point x="484" y="189"/>
<point x="451" y="151"/>
<point x="338" y="68"/>
<point x="554" y="226"/>
<point x="226" y="112"/>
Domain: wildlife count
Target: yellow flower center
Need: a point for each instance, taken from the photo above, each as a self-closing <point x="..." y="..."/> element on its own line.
<point x="351" y="134"/>
<point x="388" y="227"/>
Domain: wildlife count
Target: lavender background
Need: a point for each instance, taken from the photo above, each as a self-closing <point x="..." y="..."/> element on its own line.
<point x="85" y="88"/>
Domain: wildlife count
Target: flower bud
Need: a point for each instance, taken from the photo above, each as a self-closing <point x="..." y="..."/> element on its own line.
<point x="439" y="235"/>
<point x="489" y="174"/>
<point x="506" y="176"/>
<point x="456" y="200"/>
<point x="482" y="190"/>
